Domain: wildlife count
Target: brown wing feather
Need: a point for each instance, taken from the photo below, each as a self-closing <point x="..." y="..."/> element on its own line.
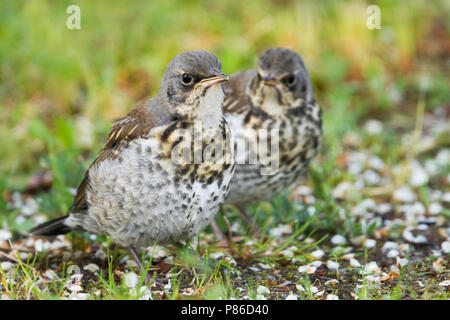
<point x="236" y="98"/>
<point x="135" y="125"/>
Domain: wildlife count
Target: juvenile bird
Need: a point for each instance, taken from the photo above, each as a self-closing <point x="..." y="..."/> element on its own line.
<point x="274" y="103"/>
<point x="148" y="185"/>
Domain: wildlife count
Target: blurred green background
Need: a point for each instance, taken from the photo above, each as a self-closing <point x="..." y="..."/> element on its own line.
<point x="61" y="89"/>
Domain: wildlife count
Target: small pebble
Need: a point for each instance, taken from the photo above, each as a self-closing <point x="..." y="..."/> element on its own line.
<point x="50" y="274"/>
<point x="144" y="293"/>
<point x="331" y="282"/>
<point x="262" y="290"/>
<point x="418" y="176"/>
<point x="332" y="265"/>
<point x="265" y="266"/>
<point x="79" y="296"/>
<point x="318" y="254"/>
<point x="341" y="189"/>
<point x="280" y="230"/>
<point x="404" y="247"/>
<point x="131" y="279"/>
<point x="435" y="208"/>
<point x="376" y="163"/>
<point x="383" y="208"/>
<point x="101" y="254"/>
<point x="216" y="255"/>
<point x="308" y="269"/>
<point x="5" y="235"/>
<point x="300" y="288"/>
<point x="338" y="239"/>
<point x="371" y="177"/>
<point x="370" y="243"/>
<point x="357" y="241"/>
<point x="404" y="194"/>
<point x="75" y="288"/>
<point x="445" y="246"/>
<point x="445" y="283"/>
<point x="392" y="253"/>
<point x="371" y="267"/>
<point x="92" y="267"/>
<point x="303" y="190"/>
<point x="408" y="235"/>
<point x="373" y="127"/>
<point x="6" y="266"/>
<point x="446" y="197"/>
<point x="348" y="256"/>
<point x="354" y="263"/>
<point x="40" y="245"/>
<point x="401" y="261"/>
<point x="388" y="245"/>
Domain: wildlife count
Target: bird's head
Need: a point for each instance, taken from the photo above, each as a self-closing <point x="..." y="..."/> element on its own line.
<point x="282" y="75"/>
<point x="192" y="86"/>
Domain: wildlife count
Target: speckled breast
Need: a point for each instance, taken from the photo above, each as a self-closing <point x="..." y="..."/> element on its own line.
<point x="146" y="197"/>
<point x="299" y="131"/>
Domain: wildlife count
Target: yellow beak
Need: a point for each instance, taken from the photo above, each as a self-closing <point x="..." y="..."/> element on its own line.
<point x="213" y="80"/>
<point x="270" y="83"/>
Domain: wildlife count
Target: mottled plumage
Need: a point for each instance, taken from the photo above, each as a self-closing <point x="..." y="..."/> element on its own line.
<point x="278" y="95"/>
<point x="134" y="191"/>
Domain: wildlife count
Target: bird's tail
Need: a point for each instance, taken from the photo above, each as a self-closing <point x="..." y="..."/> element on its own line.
<point x="51" y="228"/>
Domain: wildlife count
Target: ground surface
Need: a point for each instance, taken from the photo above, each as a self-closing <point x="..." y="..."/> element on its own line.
<point x="386" y="241"/>
<point x="371" y="221"/>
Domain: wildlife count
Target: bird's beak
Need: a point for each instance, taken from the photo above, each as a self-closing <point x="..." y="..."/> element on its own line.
<point x="212" y="80"/>
<point x="269" y="81"/>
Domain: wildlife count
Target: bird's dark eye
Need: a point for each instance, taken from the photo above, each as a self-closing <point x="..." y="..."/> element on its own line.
<point x="289" y="80"/>
<point x="187" y="79"/>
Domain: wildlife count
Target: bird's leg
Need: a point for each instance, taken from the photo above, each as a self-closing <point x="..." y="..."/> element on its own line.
<point x="136" y="258"/>
<point x="148" y="278"/>
<point x="223" y="240"/>
<point x="256" y="230"/>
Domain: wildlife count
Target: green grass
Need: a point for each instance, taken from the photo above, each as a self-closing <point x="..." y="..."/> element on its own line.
<point x="61" y="89"/>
